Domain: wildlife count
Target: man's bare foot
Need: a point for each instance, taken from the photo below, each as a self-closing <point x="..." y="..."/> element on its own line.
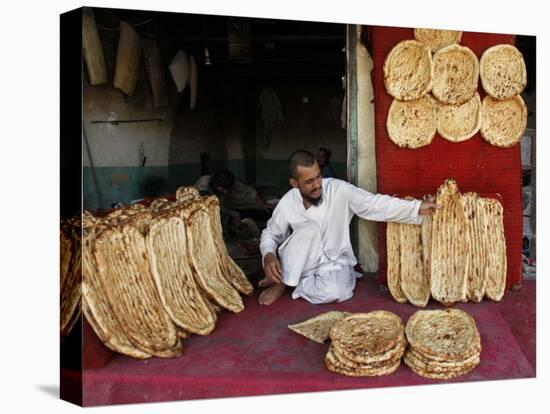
<point x="271" y="294"/>
<point x="265" y="282"/>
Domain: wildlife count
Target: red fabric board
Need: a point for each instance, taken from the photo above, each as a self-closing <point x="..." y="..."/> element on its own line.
<point x="474" y="164"/>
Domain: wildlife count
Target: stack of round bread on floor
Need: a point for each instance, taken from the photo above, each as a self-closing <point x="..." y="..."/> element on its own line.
<point x="435" y="62"/>
<point x="456" y="255"/>
<point x="442" y="343"/>
<point x="366" y="344"/>
<point x="154" y="275"/>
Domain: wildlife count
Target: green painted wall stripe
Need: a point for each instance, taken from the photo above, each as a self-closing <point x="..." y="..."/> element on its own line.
<point x="124" y="184"/>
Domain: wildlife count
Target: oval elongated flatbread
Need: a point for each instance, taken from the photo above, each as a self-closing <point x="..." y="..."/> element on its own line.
<point x="412" y="124"/>
<point x="503" y="121"/>
<point x="493" y="230"/>
<point x="456" y="73"/>
<point x="230" y="270"/>
<point x="123" y="268"/>
<point x="317" y="328"/>
<point x="436" y="39"/>
<point x="457" y="123"/>
<point x="477" y="266"/>
<point x="205" y="260"/>
<point x="449" y="334"/>
<point x="167" y="248"/>
<point x="414" y="283"/>
<point x="95" y="305"/>
<point x="408" y="70"/>
<point x="502" y="70"/>
<point x="450" y="246"/>
<point x="394" y="262"/>
<point x="427" y="245"/>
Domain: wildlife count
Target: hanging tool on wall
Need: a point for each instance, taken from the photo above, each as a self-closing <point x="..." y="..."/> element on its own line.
<point x="142" y="157"/>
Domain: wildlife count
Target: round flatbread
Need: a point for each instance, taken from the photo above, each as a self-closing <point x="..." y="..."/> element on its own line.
<point x="457" y="123"/>
<point x="437" y="39"/>
<point x="503" y="122"/>
<point x="408" y="70"/>
<point x="333" y="365"/>
<point x="423" y="370"/>
<point x="456" y="72"/>
<point x="449" y="333"/>
<point x="412" y="124"/>
<point x="502" y="70"/>
<point x="368" y="334"/>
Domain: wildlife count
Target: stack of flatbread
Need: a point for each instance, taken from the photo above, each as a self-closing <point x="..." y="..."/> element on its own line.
<point x="70" y="270"/>
<point x="366" y="344"/>
<point x="443" y="344"/>
<point x="456" y="255"/>
<point x="154" y="275"/>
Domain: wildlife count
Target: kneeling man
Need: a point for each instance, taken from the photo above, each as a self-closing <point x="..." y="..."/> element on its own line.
<point x="306" y="244"/>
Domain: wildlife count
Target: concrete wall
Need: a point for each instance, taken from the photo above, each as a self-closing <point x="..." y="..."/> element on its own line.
<point x="307" y="125"/>
<point x="226" y="125"/>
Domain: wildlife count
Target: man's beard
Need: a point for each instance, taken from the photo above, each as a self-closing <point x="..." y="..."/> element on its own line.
<point x="313" y="201"/>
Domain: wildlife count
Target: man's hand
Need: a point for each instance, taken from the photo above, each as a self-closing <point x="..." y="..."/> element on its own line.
<point x="428" y="206"/>
<point x="272" y="268"/>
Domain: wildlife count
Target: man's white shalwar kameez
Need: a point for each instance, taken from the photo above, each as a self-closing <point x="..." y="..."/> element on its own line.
<point x="314" y="246"/>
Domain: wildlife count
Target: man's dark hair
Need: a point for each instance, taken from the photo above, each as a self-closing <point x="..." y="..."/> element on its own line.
<point x="326" y="151"/>
<point x="224" y="179"/>
<point x="300" y="158"/>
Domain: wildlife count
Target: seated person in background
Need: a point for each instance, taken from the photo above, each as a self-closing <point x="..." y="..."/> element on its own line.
<point x="323" y="160"/>
<point x="235" y="197"/>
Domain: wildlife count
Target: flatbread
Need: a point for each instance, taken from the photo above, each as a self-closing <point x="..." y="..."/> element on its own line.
<point x="333" y="365"/>
<point x="427" y="245"/>
<point x="71" y="275"/>
<point x="353" y="364"/>
<point x="456" y="73"/>
<point x="414" y="283"/>
<point x="457" y="123"/>
<point x="408" y="70"/>
<point x="186" y="191"/>
<point x="202" y="253"/>
<point x="95" y="305"/>
<point x="436" y="39"/>
<point x="450" y="334"/>
<point x="477" y="266"/>
<point x="503" y="121"/>
<point x="493" y="230"/>
<point x="394" y="262"/>
<point x="123" y="268"/>
<point x="443" y="363"/>
<point x="503" y="72"/>
<point x="412" y="124"/>
<point x="354" y="356"/>
<point x="230" y="270"/>
<point x="180" y="296"/>
<point x="317" y="329"/>
<point x="419" y="368"/>
<point x="450" y="246"/>
<point x="369" y="333"/>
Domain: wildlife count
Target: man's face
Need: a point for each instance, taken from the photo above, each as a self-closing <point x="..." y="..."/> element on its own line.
<point x="321" y="158"/>
<point x="309" y="182"/>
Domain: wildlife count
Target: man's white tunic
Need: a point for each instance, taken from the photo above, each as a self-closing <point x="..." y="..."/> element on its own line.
<point x="314" y="245"/>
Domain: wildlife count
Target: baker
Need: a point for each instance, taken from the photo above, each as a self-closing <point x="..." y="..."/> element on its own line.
<point x="306" y="244"/>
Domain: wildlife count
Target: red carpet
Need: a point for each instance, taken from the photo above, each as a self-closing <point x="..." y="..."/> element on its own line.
<point x="254" y="353"/>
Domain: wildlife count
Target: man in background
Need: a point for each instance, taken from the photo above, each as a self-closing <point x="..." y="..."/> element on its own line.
<point x="323" y="160"/>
